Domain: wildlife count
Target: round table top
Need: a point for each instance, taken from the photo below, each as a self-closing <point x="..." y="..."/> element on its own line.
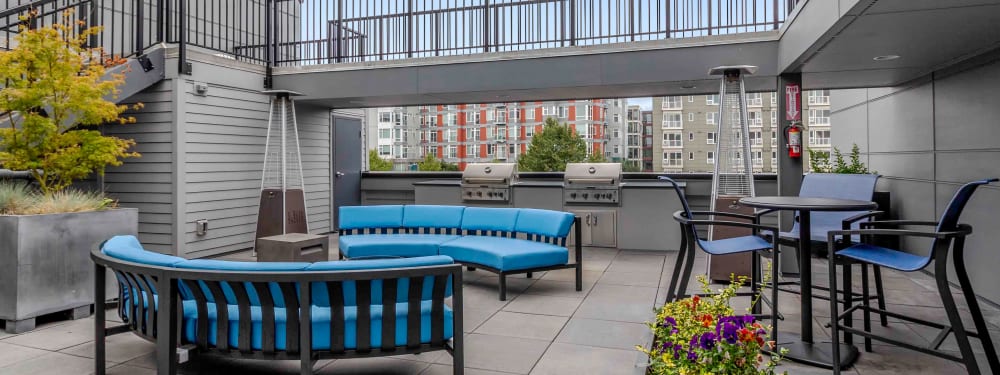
<point x="808" y="203"/>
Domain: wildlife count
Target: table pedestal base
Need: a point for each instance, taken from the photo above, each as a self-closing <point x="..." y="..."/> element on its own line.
<point x="817" y="354"/>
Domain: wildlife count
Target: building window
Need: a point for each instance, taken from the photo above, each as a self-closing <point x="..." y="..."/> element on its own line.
<point x="476" y="117"/>
<point x="617" y="149"/>
<point x="672" y="140"/>
<point x="774" y="117"/>
<point x="819" y="117"/>
<point x="588" y="112"/>
<point x="672" y="120"/>
<point x="819" y="97"/>
<point x="690" y="98"/>
<point x="690" y="156"/>
<point x="711" y="138"/>
<point x="774" y="100"/>
<point x="500" y="133"/>
<point x="515" y="114"/>
<point x="451" y="135"/>
<point x="672" y="102"/>
<point x="757" y="157"/>
<point x="673" y="159"/>
<point x="819" y="137"/>
<point x="529" y="131"/>
<point x="563" y="112"/>
<point x="384" y="133"/>
<point x="548" y="111"/>
<point x="756" y="118"/>
<point x="691" y="116"/>
<point x="385" y="117"/>
<point x="710" y="118"/>
<point x="453" y="151"/>
<point x="690" y="136"/>
<point x="711" y="99"/>
<point x="384" y="150"/>
<point x="774" y="160"/>
<point x="756" y="139"/>
<point x="529" y="114"/>
<point x="472" y="134"/>
<point x="633" y="140"/>
<point x="754" y="99"/>
<point x="617" y="117"/>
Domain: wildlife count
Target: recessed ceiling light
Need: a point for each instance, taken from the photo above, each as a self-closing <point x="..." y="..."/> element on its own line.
<point x="886" y="57"/>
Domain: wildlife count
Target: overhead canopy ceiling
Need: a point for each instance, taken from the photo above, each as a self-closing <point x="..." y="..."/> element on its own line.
<point x="927" y="35"/>
<point x="833" y="43"/>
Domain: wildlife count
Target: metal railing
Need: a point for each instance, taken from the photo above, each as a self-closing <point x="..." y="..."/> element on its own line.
<point x="336" y="31"/>
<point x="140" y="18"/>
<point x="305" y="32"/>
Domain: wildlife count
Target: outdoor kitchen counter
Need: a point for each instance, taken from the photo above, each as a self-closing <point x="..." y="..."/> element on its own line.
<point x="439" y="183"/>
<point x="651" y="185"/>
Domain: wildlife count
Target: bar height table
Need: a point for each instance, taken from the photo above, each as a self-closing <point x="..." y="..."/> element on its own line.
<point x="803" y="349"/>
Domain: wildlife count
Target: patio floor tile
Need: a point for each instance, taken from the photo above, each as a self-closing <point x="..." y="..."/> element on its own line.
<point x="603" y="333"/>
<point x="544" y="305"/>
<point x="571" y="359"/>
<point x="529" y="326"/>
<point x="501" y="353"/>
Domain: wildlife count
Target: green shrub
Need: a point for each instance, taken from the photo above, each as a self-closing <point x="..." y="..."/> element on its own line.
<point x="14" y="197"/>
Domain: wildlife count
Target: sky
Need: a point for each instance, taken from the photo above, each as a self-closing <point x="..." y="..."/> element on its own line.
<point x="645" y="103"/>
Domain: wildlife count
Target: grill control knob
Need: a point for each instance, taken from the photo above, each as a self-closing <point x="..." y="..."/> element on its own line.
<point x="489" y="194"/>
<point x="585" y="195"/>
<point x="479" y="193"/>
<point x="500" y="194"/>
<point x="572" y="195"/>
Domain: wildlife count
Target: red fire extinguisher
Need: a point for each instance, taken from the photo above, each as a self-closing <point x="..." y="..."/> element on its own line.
<point x="793" y="134"/>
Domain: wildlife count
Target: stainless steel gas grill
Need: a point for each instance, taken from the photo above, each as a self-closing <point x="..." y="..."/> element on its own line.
<point x="592" y="184"/>
<point x="489" y="182"/>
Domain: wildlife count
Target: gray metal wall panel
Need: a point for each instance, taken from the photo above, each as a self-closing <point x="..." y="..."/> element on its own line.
<point x="147" y="182"/>
<point x="930" y="137"/>
<point x="966" y="110"/>
<point x="912" y="110"/>
<point x="852" y="121"/>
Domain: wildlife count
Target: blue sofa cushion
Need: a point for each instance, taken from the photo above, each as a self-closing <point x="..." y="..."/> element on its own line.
<point x="429" y="216"/>
<point x="499" y="219"/>
<point x="544" y="222"/>
<point x="359" y="217"/>
<point x="320" y="325"/>
<point x="505" y="254"/>
<point x="227" y="290"/>
<point x="129" y="249"/>
<point x="398" y="245"/>
<point x="321" y="298"/>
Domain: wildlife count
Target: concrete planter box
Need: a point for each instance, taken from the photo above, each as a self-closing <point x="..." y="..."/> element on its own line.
<point x="46" y="264"/>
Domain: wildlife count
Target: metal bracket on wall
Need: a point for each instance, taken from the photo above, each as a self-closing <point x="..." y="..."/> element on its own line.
<point x="145" y="63"/>
<point x="186" y="68"/>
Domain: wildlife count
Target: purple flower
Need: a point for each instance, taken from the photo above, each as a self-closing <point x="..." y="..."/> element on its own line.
<point x="747" y="320"/>
<point x="674" y="331"/>
<point x="669" y="322"/>
<point x="729" y="332"/>
<point x="707" y="341"/>
<point x="692" y="356"/>
<point x="677" y="351"/>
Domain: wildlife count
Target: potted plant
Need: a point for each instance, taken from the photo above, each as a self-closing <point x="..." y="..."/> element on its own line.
<point x="704" y="335"/>
<point x="56" y="92"/>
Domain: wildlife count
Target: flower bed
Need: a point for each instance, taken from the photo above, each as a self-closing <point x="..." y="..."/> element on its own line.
<point x="705" y="336"/>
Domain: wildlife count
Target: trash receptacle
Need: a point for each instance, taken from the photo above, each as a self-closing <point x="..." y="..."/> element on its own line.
<point x="293" y="247"/>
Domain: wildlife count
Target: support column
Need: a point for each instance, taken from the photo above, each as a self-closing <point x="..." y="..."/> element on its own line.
<point x="790" y="170"/>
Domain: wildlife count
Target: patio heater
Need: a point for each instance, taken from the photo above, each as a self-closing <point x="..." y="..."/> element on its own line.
<point x="282" y="190"/>
<point x="733" y="177"/>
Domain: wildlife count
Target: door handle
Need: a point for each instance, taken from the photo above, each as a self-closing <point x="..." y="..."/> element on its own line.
<point x="339" y="174"/>
<point x="595" y="220"/>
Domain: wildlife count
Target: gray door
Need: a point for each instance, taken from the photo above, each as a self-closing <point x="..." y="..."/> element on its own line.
<point x="346" y="164"/>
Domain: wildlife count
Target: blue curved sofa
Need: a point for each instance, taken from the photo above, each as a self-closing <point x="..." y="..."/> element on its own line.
<point x="501" y="240"/>
<point x="354" y="308"/>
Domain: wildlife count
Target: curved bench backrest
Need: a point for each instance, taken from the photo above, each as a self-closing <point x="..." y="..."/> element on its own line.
<point x="490" y="221"/>
<point x="430" y="219"/>
<point x="371" y="219"/>
<point x="321" y="293"/>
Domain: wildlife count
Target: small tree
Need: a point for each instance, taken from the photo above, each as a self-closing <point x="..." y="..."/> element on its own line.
<point x="819" y="161"/>
<point x="54" y="94"/>
<point x="376" y="163"/>
<point x="429" y="164"/>
<point x="631" y="166"/>
<point x="552" y="148"/>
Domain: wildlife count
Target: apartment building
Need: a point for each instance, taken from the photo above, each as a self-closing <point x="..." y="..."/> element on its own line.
<point x="684" y="132"/>
<point x="469" y="133"/>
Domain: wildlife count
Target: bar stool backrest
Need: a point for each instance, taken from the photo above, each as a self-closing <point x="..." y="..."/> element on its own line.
<point x="835" y="185"/>
<point x="684" y="203"/>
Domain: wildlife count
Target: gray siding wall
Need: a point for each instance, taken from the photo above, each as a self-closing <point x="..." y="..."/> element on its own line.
<point x="147" y="182"/>
<point x="926" y="139"/>
<point x="225" y="132"/>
